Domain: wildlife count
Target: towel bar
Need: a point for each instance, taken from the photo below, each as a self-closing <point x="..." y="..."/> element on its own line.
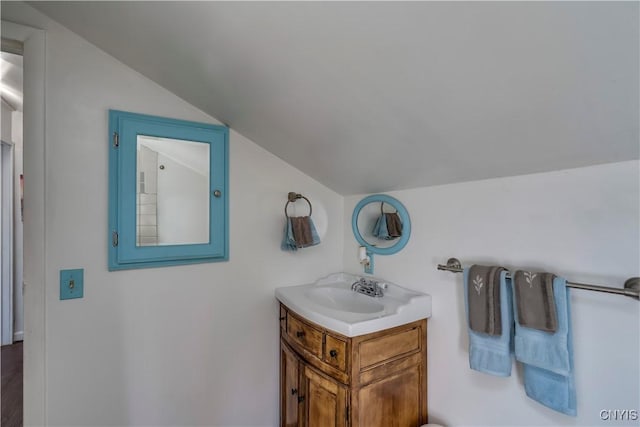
<point x="631" y="286"/>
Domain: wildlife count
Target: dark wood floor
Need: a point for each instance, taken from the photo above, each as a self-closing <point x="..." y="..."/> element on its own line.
<point x="11" y="407"/>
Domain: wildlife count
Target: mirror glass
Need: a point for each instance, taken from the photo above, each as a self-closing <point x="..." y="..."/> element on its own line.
<point x="368" y="219"/>
<point x="381" y="224"/>
<point x="172" y="191"/>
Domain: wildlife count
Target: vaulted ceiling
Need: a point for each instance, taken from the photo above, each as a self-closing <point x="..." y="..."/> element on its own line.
<point x="378" y="96"/>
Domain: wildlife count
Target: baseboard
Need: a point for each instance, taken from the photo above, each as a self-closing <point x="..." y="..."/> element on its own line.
<point x="18" y="336"/>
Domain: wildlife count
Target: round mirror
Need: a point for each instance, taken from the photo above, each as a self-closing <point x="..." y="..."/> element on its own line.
<point x="381" y="224"/>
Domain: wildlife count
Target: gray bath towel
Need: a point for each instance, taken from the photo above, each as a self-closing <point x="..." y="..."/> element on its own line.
<point x="535" y="301"/>
<point x="484" y="299"/>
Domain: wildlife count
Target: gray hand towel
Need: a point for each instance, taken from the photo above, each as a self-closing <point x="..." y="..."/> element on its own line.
<point x="301" y="231"/>
<point x="484" y="299"/>
<point x="535" y="301"/>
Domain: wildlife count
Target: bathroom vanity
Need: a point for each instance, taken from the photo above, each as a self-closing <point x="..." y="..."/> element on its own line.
<point x="359" y="372"/>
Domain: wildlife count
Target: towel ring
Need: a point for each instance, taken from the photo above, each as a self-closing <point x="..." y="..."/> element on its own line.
<point x="293" y="197"/>
<point x="381" y="210"/>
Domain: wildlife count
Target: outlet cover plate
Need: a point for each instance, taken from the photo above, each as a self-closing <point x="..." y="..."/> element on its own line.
<point x="71" y="283"/>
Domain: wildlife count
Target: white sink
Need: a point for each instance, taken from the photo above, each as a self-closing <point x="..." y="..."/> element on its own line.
<point x="343" y="300"/>
<point x="331" y="303"/>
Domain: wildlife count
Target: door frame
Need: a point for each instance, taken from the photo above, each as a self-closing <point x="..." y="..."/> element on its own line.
<point x="34" y="350"/>
<point x="6" y="218"/>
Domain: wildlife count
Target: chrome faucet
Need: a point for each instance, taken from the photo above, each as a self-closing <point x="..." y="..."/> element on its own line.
<point x="368" y="287"/>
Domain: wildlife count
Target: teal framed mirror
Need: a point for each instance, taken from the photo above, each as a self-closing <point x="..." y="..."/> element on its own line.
<point x="381" y="225"/>
<point x="168" y="191"/>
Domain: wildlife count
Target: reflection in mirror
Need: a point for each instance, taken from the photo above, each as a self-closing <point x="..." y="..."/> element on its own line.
<point x="367" y="219"/>
<point x="172" y="191"/>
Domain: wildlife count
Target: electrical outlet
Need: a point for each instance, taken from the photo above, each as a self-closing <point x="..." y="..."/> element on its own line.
<point x="71" y="283"/>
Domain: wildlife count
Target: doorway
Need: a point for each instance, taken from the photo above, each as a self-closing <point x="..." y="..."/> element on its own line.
<point x="11" y="232"/>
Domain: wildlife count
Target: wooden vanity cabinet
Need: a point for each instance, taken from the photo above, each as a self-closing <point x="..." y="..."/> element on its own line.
<point x="373" y="380"/>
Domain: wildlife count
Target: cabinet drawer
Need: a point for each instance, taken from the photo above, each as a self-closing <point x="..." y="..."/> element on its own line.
<point x="305" y="335"/>
<point x="379" y="350"/>
<point x="335" y="352"/>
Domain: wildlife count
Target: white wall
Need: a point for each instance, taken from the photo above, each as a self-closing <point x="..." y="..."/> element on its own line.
<point x="6" y="274"/>
<point x="18" y="258"/>
<point x="12" y="132"/>
<point x="580" y="223"/>
<point x="187" y="345"/>
<point x="6" y="239"/>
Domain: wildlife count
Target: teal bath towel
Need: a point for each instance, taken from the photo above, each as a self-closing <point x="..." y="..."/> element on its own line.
<point x="288" y="241"/>
<point x="492" y="354"/>
<point x="548" y="357"/>
<point x="380" y="229"/>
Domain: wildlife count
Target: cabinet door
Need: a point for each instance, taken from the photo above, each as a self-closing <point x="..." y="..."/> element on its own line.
<point x="161" y="217"/>
<point x="289" y="387"/>
<point x="325" y="400"/>
<point x="394" y="401"/>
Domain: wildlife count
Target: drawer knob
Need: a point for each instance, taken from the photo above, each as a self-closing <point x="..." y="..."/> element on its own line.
<point x="300" y="334"/>
<point x="333" y="353"/>
<point x="294" y="391"/>
<point x="300" y="399"/>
